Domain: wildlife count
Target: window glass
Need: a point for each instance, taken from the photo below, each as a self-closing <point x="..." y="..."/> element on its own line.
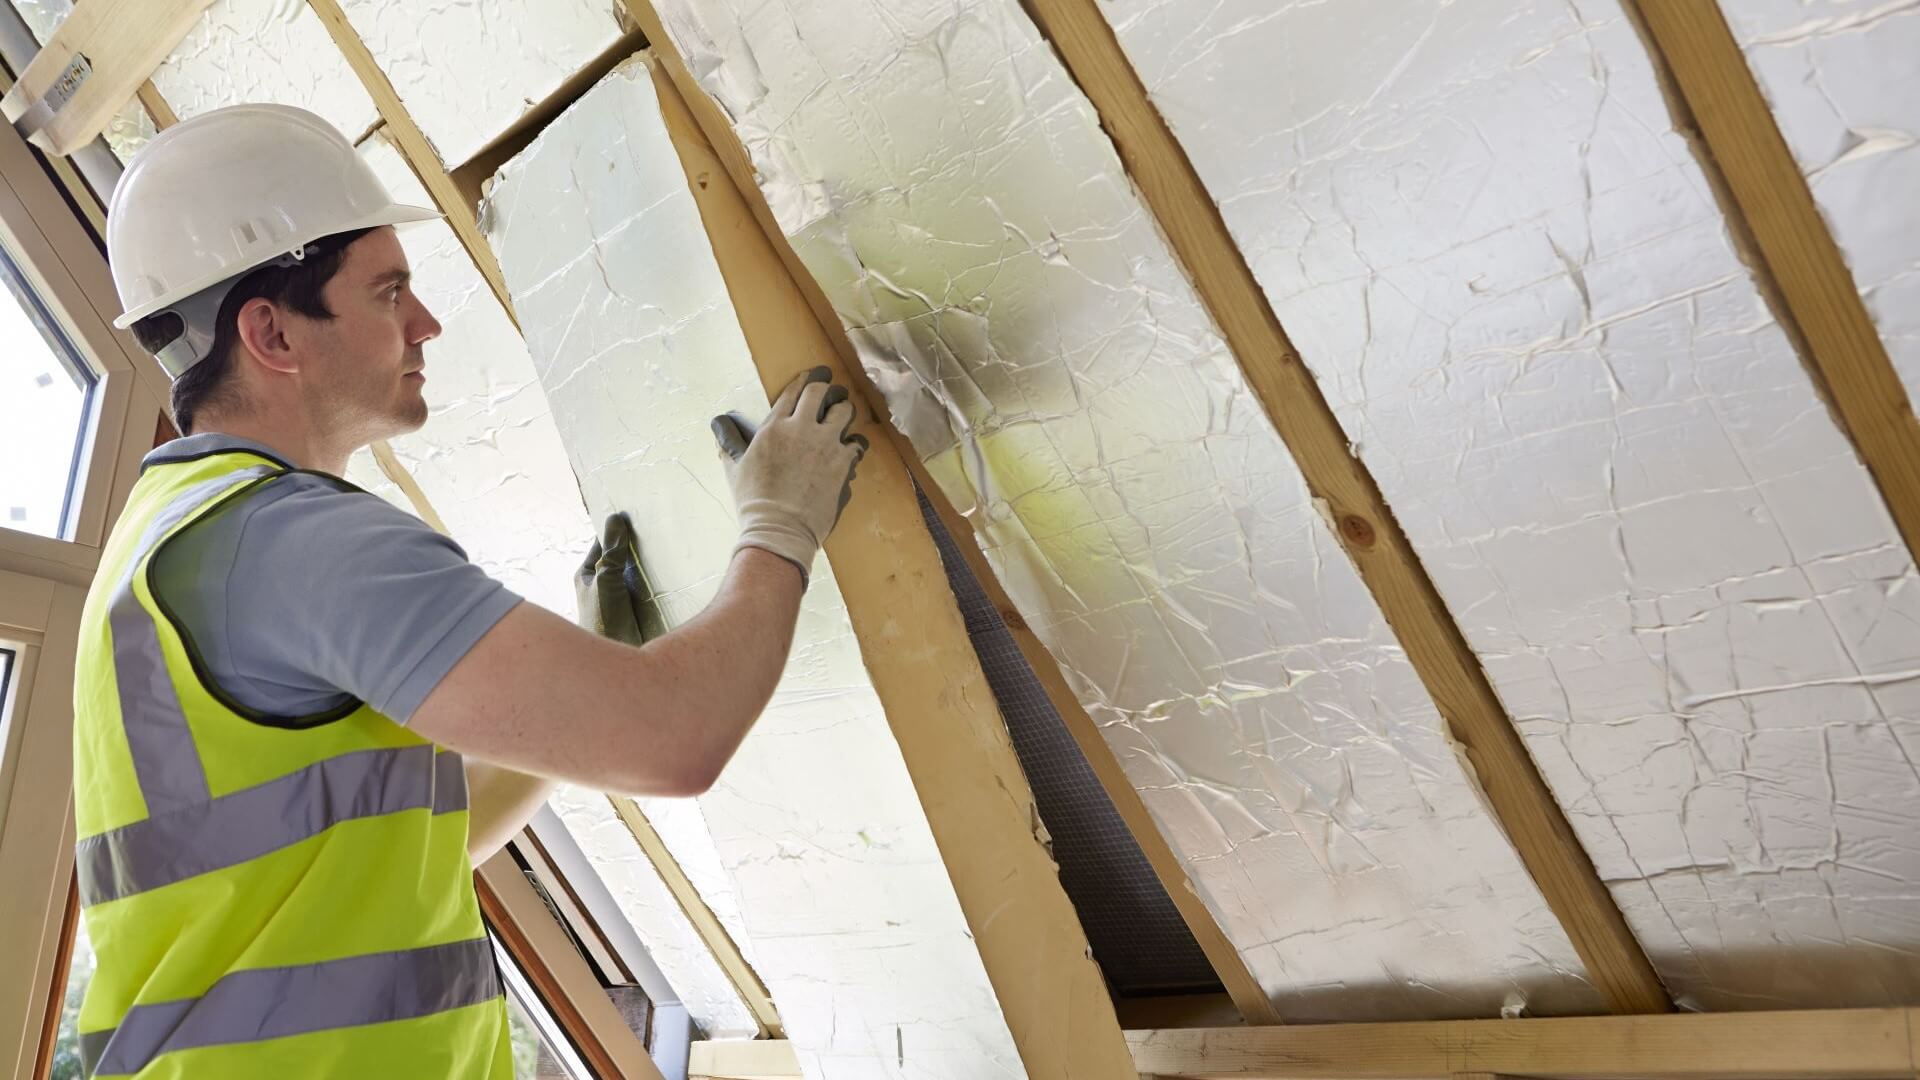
<point x="44" y="394"/>
<point x="43" y="17"/>
<point x="540" y="1047"/>
<point x="66" y="1047"/>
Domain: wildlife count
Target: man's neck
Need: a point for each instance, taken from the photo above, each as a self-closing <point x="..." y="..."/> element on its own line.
<point x="297" y="448"/>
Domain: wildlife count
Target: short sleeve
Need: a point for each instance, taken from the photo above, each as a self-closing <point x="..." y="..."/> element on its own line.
<point x="306" y="593"/>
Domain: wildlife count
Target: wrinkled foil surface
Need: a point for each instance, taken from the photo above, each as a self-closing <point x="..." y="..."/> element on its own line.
<point x="941" y="176"/>
<point x="467" y="69"/>
<point x="1507" y="272"/>
<point x="1843" y="77"/>
<point x="843" y="902"/>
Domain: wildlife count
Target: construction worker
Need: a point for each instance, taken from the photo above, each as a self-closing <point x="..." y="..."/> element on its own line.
<point x="302" y="716"/>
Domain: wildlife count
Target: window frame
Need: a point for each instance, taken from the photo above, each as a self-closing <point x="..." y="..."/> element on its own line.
<point x="43" y="583"/>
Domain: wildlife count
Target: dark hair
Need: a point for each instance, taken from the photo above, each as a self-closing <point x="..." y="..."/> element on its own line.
<point x="297" y="287"/>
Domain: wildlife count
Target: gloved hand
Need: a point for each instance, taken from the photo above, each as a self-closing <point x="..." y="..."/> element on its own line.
<point x="793" y="476"/>
<point x="616" y="599"/>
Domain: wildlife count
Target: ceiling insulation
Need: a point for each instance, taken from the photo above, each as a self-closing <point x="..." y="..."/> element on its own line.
<point x="846" y="905"/>
<point x="264" y="51"/>
<point x="1510" y="278"/>
<point x="1844" y="80"/>
<point x="670" y="938"/>
<point x="941" y="176"/>
<point x="467" y="69"/>
<point x="489" y="459"/>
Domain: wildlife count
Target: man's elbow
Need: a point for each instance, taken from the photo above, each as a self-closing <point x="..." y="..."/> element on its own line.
<point x="680" y="780"/>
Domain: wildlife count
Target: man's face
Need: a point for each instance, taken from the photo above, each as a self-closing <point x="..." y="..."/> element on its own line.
<point x="371" y="379"/>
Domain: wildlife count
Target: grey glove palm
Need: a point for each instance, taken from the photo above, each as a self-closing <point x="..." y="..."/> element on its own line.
<point x="616" y="599"/>
<point x="793" y="476"/>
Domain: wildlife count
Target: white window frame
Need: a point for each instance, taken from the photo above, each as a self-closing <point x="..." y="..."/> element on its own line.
<point x="43" y="584"/>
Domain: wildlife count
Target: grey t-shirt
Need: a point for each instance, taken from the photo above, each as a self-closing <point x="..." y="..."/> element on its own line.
<point x="305" y="594"/>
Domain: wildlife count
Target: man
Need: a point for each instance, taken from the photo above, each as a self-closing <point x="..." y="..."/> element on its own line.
<point x="301" y="715"/>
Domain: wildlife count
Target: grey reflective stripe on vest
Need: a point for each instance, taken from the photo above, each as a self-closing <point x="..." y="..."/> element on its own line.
<point x="262" y="819"/>
<point x="272" y="1003"/>
<point x="449" y="783"/>
<point x="164" y="758"/>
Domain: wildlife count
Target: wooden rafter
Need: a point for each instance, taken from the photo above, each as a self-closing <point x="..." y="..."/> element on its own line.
<point x="1826" y="1044"/>
<point x="924" y="670"/>
<point x="95" y="62"/>
<point x="1365" y="525"/>
<point x="729" y="1059"/>
<point x="414" y="147"/>
<point x="726" y="952"/>
<point x="1252" y="1001"/>
<point x="1816" y="294"/>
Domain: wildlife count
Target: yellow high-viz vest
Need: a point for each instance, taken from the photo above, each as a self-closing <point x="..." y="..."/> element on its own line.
<point x="287" y="898"/>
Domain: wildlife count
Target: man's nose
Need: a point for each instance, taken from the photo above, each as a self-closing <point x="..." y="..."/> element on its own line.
<point x="422" y="326"/>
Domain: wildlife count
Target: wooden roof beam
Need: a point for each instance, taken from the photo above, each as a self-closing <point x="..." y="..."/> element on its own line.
<point x="1524" y="806"/>
<point x="97" y="60"/>
<point x="1826" y="1044"/>
<point x="1252" y="1001"/>
<point x="414" y="147"/>
<point x="924" y="670"/>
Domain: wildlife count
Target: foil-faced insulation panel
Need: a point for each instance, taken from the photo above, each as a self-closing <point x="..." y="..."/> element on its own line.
<point x="1843" y="77"/>
<point x="489" y="459"/>
<point x="939" y="173"/>
<point x="670" y="938"/>
<point x="467" y="69"/>
<point x="264" y="51"/>
<point x="1511" y="279"/>
<point x="843" y="900"/>
<point x="1136" y="935"/>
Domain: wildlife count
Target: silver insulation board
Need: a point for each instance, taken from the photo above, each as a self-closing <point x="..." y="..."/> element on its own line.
<point x="1507" y="272"/>
<point x="941" y="176"/>
<point x="845" y="904"/>
<point x="264" y="51"/>
<point x="467" y="69"/>
<point x="489" y="458"/>
<point x="1843" y="77"/>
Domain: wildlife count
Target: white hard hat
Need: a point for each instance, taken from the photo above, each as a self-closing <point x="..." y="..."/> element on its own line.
<point x="229" y="191"/>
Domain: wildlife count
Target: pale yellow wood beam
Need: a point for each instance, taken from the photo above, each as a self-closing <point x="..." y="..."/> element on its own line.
<point x="1824" y="1044"/>
<point x="746" y="982"/>
<point x="924" y="670"/>
<point x="95" y="62"/>
<point x="761" y="1059"/>
<point x="414" y="147"/>
<point x="1254" y="1005"/>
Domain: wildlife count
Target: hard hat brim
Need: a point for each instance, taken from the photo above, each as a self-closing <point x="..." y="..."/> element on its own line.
<point x="394" y="214"/>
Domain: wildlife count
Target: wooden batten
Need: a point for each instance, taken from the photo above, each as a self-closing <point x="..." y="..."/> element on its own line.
<point x="952" y="738"/>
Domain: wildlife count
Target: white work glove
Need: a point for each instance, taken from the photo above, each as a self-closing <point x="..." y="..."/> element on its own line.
<point x="793" y="476"/>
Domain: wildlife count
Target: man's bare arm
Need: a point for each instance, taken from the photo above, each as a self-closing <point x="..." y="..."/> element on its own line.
<point x="500" y="802"/>
<point x="540" y="695"/>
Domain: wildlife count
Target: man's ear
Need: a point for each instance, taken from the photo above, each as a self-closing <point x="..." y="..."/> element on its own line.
<point x="263" y="327"/>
